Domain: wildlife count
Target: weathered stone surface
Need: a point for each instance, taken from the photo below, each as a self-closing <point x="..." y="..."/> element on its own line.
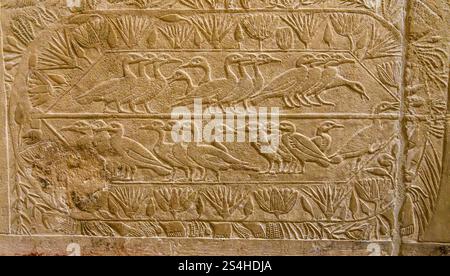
<point x="87" y="94"/>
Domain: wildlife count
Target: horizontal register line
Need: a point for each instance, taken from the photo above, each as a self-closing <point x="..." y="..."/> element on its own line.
<point x="343" y="116"/>
<point x="133" y="183"/>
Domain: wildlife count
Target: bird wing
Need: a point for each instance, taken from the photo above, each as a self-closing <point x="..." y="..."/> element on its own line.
<point x="180" y="154"/>
<point x="215" y="161"/>
<point x="287" y="80"/>
<point x="318" y="141"/>
<point x="145" y="90"/>
<point x="241" y="87"/>
<point x="165" y="153"/>
<point x="139" y="153"/>
<point x="303" y="144"/>
<point x="225" y="156"/>
<point x="209" y="92"/>
<point x="359" y="143"/>
<point x="107" y="88"/>
<point x="99" y="89"/>
<point x="311" y="82"/>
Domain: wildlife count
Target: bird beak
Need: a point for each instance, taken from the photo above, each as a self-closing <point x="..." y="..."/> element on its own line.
<point x="339" y="126"/>
<point x="246" y="60"/>
<point x="138" y="59"/>
<point x="144" y="127"/>
<point x="175" y="60"/>
<point x="347" y="61"/>
<point x="276" y="60"/>
<point x="109" y="129"/>
<point x="170" y="125"/>
<point x="186" y="65"/>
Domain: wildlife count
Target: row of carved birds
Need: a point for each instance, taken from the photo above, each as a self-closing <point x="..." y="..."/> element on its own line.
<point x="299" y="87"/>
<point x="164" y="157"/>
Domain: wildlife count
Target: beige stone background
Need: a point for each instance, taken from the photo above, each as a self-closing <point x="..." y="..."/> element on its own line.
<point x="391" y="197"/>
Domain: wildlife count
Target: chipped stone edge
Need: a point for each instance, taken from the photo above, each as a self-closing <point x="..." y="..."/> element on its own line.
<point x="5" y="216"/>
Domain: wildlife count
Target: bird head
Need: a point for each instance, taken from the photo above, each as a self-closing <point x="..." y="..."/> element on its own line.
<point x="359" y="88"/>
<point x="196" y="62"/>
<point x="80" y="127"/>
<point x="154" y="125"/>
<point x="386" y="106"/>
<point x="233" y="59"/>
<point x="179" y="75"/>
<point x="328" y="125"/>
<point x="167" y="59"/>
<point x="332" y="60"/>
<point x="248" y="59"/>
<point x="151" y="58"/>
<point x="287" y="126"/>
<point x="132" y="58"/>
<point x="171" y="124"/>
<point x="115" y="127"/>
<point x="99" y="125"/>
<point x="306" y="59"/>
<point x="267" y="59"/>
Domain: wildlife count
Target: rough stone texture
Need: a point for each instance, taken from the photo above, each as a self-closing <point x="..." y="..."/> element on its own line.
<point x="87" y="91"/>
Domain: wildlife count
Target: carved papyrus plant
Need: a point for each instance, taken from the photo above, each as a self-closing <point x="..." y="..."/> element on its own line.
<point x="349" y="26"/>
<point x="276" y="201"/>
<point x="23" y="30"/>
<point x="132" y="28"/>
<point x="213" y="27"/>
<point x="92" y="34"/>
<point x="224" y="200"/>
<point x="304" y="26"/>
<point x="199" y="4"/>
<point x="382" y="44"/>
<point x="431" y="60"/>
<point x="59" y="53"/>
<point x="391" y="10"/>
<point x="259" y="27"/>
<point x="390" y="73"/>
<point x="175" y="200"/>
<point x="285" y="4"/>
<point x="366" y="4"/>
<point x="284" y="38"/>
<point x="328" y="198"/>
<point x="129" y="200"/>
<point x="177" y="34"/>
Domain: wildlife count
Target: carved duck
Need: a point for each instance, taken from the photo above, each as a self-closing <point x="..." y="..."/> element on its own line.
<point x="369" y="139"/>
<point x="286" y="84"/>
<point x="210" y="90"/>
<point x="244" y="84"/>
<point x="210" y="157"/>
<point x="159" y="85"/>
<point x="303" y="148"/>
<point x="330" y="79"/>
<point x="133" y="152"/>
<point x="313" y="75"/>
<point x="86" y="134"/>
<point x="164" y="150"/>
<point x="323" y="138"/>
<point x="111" y="91"/>
<point x="258" y="79"/>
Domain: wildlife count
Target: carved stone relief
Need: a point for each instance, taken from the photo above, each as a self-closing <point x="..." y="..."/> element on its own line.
<point x="362" y="89"/>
